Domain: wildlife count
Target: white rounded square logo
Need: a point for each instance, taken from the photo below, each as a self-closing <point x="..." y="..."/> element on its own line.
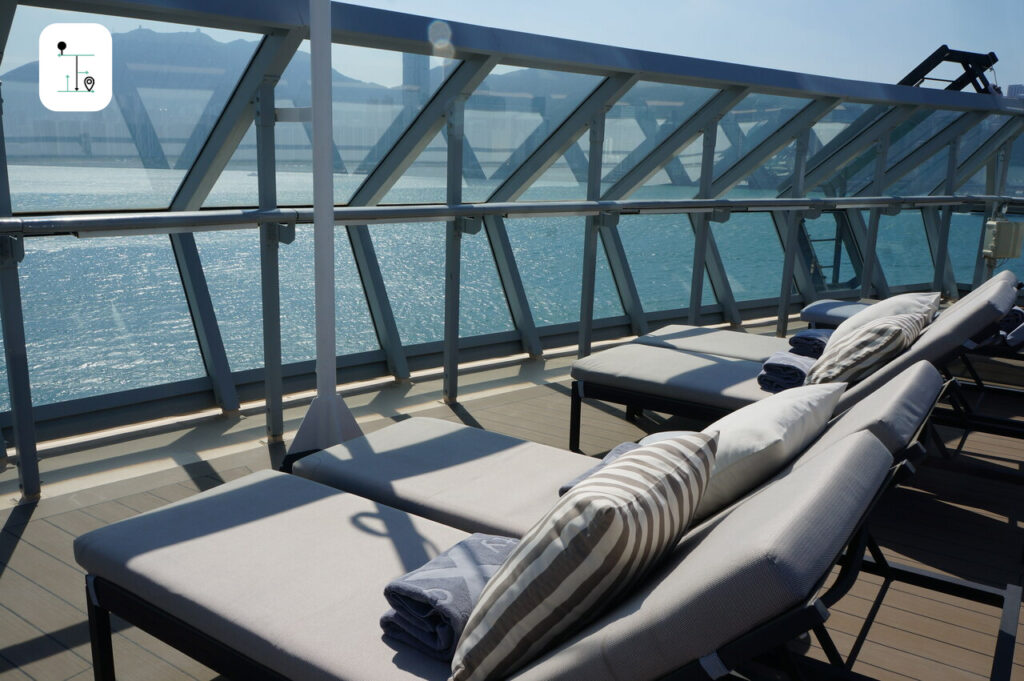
<point x="75" y="67"/>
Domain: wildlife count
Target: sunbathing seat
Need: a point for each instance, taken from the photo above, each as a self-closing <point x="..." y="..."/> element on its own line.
<point x="465" y="477"/>
<point x="683" y="379"/>
<point x="273" y="576"/>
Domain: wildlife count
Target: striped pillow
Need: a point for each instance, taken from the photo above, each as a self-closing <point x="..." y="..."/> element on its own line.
<point x="600" y="539"/>
<point x="868" y="348"/>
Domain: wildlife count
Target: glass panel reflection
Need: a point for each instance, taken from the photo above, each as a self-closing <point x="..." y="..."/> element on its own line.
<point x="548" y="251"/>
<point x="509" y="115"/>
<point x="752" y="255"/>
<point x="412" y="262"/>
<point x="376" y="95"/>
<point x="170" y="87"/>
<point x="231" y="261"/>
<point x="660" y="253"/>
<point x="103" y="316"/>
<point x="748" y="123"/>
<point x="641" y="120"/>
<point x="903" y="249"/>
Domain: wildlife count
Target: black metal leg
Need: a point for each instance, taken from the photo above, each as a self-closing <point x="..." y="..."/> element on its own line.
<point x="633" y="413"/>
<point x="574" y="417"/>
<point x="100" y="638"/>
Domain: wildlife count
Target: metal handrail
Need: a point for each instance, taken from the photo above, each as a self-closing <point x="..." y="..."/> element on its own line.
<point x="163" y="222"/>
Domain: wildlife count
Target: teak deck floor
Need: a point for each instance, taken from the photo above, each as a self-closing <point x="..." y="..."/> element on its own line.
<point x="945" y="518"/>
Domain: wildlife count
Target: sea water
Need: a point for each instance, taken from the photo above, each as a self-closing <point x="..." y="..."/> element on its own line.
<point x="108" y="314"/>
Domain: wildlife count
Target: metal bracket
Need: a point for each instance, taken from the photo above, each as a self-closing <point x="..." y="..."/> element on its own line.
<point x="720" y="214"/>
<point x="606" y="219"/>
<point x="891" y="209"/>
<point x="12" y="249"/>
<point x="812" y="213"/>
<point x="297" y="114"/>
<point x="469" y="225"/>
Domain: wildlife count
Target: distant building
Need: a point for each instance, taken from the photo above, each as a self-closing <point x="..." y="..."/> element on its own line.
<point x="1015" y="90"/>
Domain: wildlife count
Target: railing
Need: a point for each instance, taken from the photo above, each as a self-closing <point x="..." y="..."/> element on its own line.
<point x="783" y="134"/>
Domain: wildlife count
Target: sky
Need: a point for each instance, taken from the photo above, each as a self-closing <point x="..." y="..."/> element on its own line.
<point x="874" y="40"/>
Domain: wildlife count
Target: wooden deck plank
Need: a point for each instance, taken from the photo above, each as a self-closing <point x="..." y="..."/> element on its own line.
<point x="34" y="651"/>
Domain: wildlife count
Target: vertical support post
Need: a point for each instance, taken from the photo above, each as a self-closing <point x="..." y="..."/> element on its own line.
<point x="870" y="252"/>
<point x="12" y="251"/>
<point x="793" y="220"/>
<point x="328" y="421"/>
<point x="592" y="225"/>
<point x="701" y="224"/>
<point x="270" y="289"/>
<point x="512" y="284"/>
<point x="453" y="250"/>
<point x="941" y="261"/>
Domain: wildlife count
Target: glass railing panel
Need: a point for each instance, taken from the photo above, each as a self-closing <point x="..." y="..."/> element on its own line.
<point x="509" y="115"/>
<point x="964" y="239"/>
<point x="831" y="265"/>
<point x="549" y="254"/>
<point x="231" y="261"/>
<point x="660" y="253"/>
<point x="426" y="180"/>
<point x="748" y="123"/>
<point x="752" y="255"/>
<point x="679" y="178"/>
<point x="411" y="260"/>
<point x="376" y="95"/>
<point x="833" y="123"/>
<point x="102" y="316"/>
<point x="1015" y="174"/>
<point x="924" y="178"/>
<point x="903" y="248"/>
<point x="978" y="135"/>
<point x="169" y="87"/>
<point x="641" y="120"/>
<point x="769" y="178"/>
<point x="565" y="180"/>
<point x="975" y="185"/>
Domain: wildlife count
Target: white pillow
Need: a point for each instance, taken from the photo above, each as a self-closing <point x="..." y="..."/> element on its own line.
<point x="756" y="441"/>
<point x="907" y="303"/>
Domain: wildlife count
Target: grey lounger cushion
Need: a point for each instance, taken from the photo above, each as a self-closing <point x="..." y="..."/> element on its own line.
<point x="726" y="383"/>
<point x="737" y="570"/>
<point x="893" y="414"/>
<point x="286" y="571"/>
<point x="724" y="342"/>
<point x="729" y="383"/>
<point x="447" y="472"/>
<point x="974" y="312"/>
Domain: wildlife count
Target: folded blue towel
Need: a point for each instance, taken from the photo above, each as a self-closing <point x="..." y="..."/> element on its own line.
<point x="615" y="453"/>
<point x="1011" y="320"/>
<point x="432" y="603"/>
<point x="809" y="342"/>
<point x="784" y="370"/>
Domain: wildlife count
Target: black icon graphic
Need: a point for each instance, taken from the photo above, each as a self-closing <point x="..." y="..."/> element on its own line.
<point x="62" y="46"/>
<point x="89" y="81"/>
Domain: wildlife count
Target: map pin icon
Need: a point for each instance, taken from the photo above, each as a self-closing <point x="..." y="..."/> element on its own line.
<point x="89" y="82"/>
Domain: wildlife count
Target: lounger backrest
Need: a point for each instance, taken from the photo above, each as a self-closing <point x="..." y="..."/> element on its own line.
<point x="894" y="414"/>
<point x="942" y="338"/>
<point x="755" y="561"/>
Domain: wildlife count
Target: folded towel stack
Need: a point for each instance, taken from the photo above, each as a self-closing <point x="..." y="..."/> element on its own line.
<point x="784" y="370"/>
<point x="615" y="453"/>
<point x="809" y="342"/>
<point x="432" y="603"/>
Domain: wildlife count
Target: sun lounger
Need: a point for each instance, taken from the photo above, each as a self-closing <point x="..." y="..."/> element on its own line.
<point x="685" y="377"/>
<point x="465" y="477"/>
<point x="273" y="576"/>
